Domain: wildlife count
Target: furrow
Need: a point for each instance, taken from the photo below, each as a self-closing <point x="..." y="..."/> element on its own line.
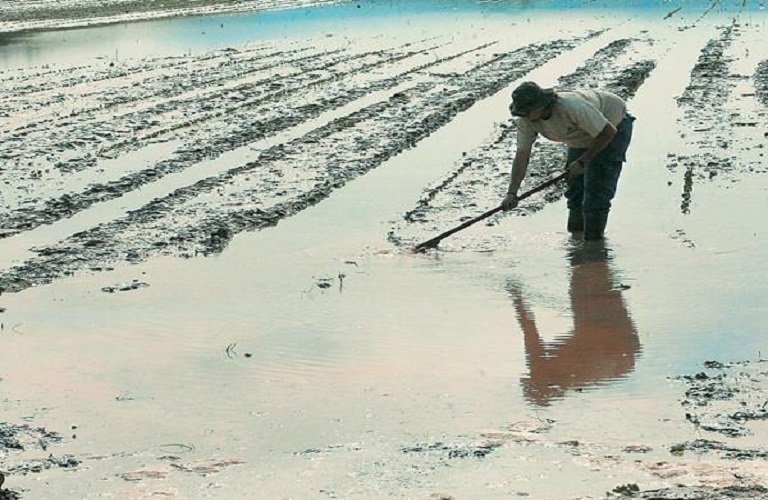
<point x="285" y="179"/>
<point x="723" y="115"/>
<point x="237" y="126"/>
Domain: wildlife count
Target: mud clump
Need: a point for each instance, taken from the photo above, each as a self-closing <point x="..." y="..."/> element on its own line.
<point x="699" y="493"/>
<point x="452" y="451"/>
<point x="726" y="398"/>
<point x="14" y="441"/>
<point x="125" y="287"/>
<point x="761" y="82"/>
<point x="22" y="437"/>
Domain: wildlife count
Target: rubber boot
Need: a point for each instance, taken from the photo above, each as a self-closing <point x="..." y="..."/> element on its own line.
<point x="575" y="221"/>
<point x="594" y="225"/>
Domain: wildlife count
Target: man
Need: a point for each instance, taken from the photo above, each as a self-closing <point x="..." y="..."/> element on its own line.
<point x="597" y="129"/>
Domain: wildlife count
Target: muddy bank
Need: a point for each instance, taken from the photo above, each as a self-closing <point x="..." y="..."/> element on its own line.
<point x="42" y="14"/>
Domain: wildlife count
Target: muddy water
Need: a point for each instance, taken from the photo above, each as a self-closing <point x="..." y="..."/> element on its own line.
<point x="316" y="359"/>
<point x="197" y="34"/>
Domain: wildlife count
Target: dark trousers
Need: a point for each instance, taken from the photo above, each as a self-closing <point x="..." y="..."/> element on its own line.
<point x="591" y="194"/>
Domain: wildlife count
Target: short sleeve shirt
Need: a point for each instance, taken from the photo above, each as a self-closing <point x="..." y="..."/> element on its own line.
<point x="577" y="118"/>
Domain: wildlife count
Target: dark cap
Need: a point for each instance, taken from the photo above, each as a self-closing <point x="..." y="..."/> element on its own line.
<point x="528" y="97"/>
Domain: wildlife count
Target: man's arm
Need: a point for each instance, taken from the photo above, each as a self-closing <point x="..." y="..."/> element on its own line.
<point x="601" y="141"/>
<point x="598" y="144"/>
<point x="519" y="169"/>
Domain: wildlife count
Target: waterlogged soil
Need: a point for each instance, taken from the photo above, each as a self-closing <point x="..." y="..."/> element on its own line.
<point x="41" y="14"/>
<point x="71" y="136"/>
<point x="17" y="439"/>
<point x="286" y="178"/>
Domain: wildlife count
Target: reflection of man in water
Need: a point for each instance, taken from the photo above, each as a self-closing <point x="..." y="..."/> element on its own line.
<point x="602" y="345"/>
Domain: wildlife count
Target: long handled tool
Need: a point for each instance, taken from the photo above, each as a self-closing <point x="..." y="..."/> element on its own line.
<point x="432" y="243"/>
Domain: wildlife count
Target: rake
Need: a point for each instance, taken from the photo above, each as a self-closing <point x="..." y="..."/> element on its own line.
<point x="432" y="243"/>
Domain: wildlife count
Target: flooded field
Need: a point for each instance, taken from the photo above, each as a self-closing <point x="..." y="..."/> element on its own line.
<point x="209" y="289"/>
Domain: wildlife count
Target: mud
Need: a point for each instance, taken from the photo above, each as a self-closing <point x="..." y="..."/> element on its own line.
<point x="314" y="82"/>
<point x="452" y="450"/>
<point x="37" y="15"/>
<point x="712" y="127"/>
<point x="723" y="399"/>
<point x="727" y="397"/>
<point x="243" y="114"/>
<point x="18" y="443"/>
<point x="761" y="82"/>
<point x="696" y="493"/>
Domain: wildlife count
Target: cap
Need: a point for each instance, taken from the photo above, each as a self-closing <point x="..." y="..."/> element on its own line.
<point x="528" y="97"/>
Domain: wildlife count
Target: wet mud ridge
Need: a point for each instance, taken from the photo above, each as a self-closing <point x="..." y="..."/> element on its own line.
<point x="480" y="181"/>
<point x="724" y="115"/>
<point x="421" y="93"/>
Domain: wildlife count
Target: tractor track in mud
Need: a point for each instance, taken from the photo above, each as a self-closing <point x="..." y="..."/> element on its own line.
<point x="286" y="178"/>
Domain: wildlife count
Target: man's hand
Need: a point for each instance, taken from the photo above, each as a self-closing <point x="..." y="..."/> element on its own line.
<point x="510" y="201"/>
<point x="576" y="168"/>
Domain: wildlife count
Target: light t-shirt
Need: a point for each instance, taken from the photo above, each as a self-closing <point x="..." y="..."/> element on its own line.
<point x="577" y="118"/>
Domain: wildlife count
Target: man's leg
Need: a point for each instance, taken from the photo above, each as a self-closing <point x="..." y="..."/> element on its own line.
<point x="574" y="193"/>
<point x="575" y="220"/>
<point x="600" y="181"/>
